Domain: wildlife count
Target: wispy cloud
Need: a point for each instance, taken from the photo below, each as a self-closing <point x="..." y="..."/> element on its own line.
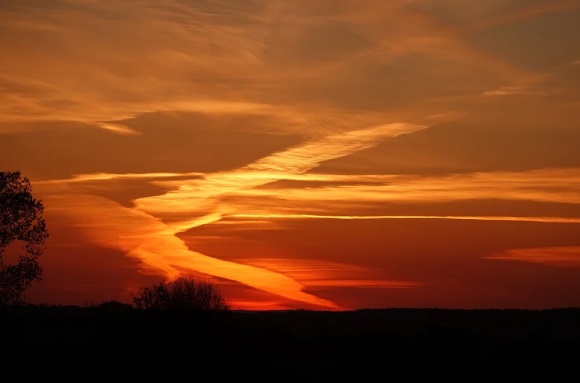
<point x="141" y="233"/>
<point x="159" y="57"/>
<point x="341" y="76"/>
<point x="233" y="58"/>
<point x="442" y="217"/>
<point x="514" y="90"/>
<point x="161" y="252"/>
<point x="278" y="166"/>
<point x="515" y="14"/>
<point x="208" y="200"/>
<point x="561" y="256"/>
<point x="321" y="274"/>
<point x="114" y="176"/>
<point x="543" y="185"/>
<point x="116" y="128"/>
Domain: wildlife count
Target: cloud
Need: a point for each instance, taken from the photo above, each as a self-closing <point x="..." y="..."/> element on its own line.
<point x="480" y="14"/>
<point x="148" y="239"/>
<point x="321" y="274"/>
<point x="442" y="217"/>
<point x="113" y="176"/>
<point x="117" y="128"/>
<point x="341" y="76"/>
<point x="141" y="232"/>
<point x="561" y="256"/>
<point x="114" y="61"/>
<point x="315" y="66"/>
<point x="522" y="90"/>
<point x="542" y="185"/>
<point x="188" y="196"/>
<point x="518" y="13"/>
<point x="148" y="231"/>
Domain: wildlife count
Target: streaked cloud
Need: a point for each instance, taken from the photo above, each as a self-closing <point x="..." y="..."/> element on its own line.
<point x="543" y="185"/>
<point x="560" y="256"/>
<point x="116" y="128"/>
<point x="152" y="242"/>
<point x="238" y="58"/>
<point x="462" y="217"/>
<point x="286" y="163"/>
<point x="321" y="274"/>
<point x="146" y="123"/>
<point x="513" y="90"/>
<point x="113" y="176"/>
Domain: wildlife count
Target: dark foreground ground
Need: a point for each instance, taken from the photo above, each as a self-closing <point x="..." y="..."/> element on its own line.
<point x="114" y="340"/>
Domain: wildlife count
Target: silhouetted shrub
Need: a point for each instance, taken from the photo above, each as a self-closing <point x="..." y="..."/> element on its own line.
<point x="182" y="294"/>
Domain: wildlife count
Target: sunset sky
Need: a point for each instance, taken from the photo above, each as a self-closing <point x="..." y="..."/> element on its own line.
<point x="300" y="154"/>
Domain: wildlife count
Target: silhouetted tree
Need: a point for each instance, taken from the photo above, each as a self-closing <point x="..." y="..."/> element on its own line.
<point x="182" y="294"/>
<point x="20" y="220"/>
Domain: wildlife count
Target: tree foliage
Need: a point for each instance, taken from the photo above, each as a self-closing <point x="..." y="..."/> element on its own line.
<point x="20" y="220"/>
<point x="182" y="294"/>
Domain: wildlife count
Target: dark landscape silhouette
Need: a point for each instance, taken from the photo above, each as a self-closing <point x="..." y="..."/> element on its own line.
<point x="301" y="342"/>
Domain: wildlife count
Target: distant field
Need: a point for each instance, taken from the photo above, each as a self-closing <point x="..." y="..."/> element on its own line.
<point x="307" y="342"/>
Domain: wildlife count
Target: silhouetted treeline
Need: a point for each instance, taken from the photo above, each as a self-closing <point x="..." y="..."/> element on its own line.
<point x="309" y="343"/>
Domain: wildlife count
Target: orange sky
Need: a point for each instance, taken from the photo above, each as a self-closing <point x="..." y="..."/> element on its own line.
<point x="320" y="154"/>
